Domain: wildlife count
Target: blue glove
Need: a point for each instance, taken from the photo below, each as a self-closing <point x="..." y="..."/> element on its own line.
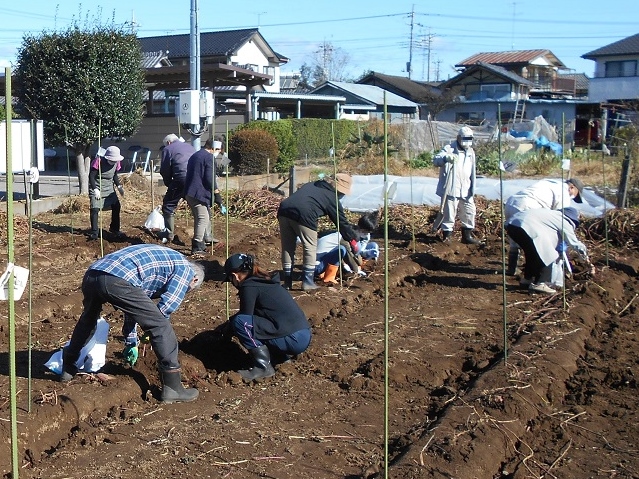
<point x="130" y="353"/>
<point x="562" y="247"/>
<point x="223" y="209"/>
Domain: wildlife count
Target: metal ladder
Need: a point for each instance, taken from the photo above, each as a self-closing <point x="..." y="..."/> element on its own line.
<point x="520" y="105"/>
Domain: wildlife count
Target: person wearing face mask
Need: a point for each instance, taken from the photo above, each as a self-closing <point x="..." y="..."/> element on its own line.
<point x="103" y="179"/>
<point x="298" y="215"/>
<point x="548" y="193"/>
<point x="456" y="186"/>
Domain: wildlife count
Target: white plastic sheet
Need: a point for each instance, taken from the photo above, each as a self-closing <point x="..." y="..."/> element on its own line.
<point x="367" y="193"/>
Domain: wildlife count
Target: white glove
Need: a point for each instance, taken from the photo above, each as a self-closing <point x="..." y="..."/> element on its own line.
<point x="450" y="158"/>
<point x="96" y="193"/>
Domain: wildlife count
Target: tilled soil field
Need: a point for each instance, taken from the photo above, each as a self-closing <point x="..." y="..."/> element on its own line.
<point x="560" y="401"/>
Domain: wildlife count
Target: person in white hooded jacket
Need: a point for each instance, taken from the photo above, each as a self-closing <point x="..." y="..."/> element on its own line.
<point x="456" y="186"/>
<point x="544" y="235"/>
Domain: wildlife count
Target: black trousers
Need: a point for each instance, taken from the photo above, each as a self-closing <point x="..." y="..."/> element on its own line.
<point x="99" y="288"/>
<point x="172" y="197"/>
<point x="115" y="208"/>
<point x="534" y="265"/>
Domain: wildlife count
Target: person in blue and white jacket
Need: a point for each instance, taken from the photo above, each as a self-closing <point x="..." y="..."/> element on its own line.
<point x="131" y="279"/>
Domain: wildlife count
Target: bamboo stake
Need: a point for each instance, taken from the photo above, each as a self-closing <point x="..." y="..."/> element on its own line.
<point x="503" y="237"/>
<point x="11" y="306"/>
<point x="339" y="250"/>
<point x="386" y="293"/>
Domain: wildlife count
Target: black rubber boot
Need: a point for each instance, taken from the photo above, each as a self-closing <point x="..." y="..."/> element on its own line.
<point x="446" y="235"/>
<point x="308" y="280"/>
<point x="197" y="247"/>
<point x="513" y="259"/>
<point x="68" y="367"/>
<point x="288" y="282"/>
<point x="262" y="367"/>
<point x="209" y="240"/>
<point x="172" y="389"/>
<point x="467" y="236"/>
<point x="169" y="228"/>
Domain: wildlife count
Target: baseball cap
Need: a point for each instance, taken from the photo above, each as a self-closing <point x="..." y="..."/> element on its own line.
<point x="237" y="262"/>
<point x="577" y="183"/>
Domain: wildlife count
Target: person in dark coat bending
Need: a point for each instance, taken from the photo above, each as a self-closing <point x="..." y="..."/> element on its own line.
<point x="269" y="323"/>
<point x="298" y="215"/>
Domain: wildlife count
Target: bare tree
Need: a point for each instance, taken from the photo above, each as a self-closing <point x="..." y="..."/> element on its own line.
<point x="327" y="63"/>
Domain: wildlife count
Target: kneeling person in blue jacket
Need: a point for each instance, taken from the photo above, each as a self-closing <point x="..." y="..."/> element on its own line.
<point x="269" y="321"/>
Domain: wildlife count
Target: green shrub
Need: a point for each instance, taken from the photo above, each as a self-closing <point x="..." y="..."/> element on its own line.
<point x="250" y="149"/>
<point x="282" y="131"/>
<point x="314" y="136"/>
<point x="423" y="160"/>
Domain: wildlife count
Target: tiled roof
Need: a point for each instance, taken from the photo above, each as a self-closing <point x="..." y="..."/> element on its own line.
<point x="581" y="80"/>
<point x="511" y="57"/>
<point x="153" y="59"/>
<point x="495" y="69"/>
<point x="413" y="90"/>
<point x="369" y="93"/>
<point x="222" y="43"/>
<point x="625" y="46"/>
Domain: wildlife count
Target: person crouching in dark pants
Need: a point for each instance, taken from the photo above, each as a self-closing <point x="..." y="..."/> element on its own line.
<point x="269" y="324"/>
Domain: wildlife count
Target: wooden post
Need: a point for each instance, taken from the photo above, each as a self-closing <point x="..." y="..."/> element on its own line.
<point x="623" y="182"/>
<point x="291" y="181"/>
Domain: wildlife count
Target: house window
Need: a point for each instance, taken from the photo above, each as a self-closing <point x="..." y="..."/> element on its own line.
<point x="496" y="91"/>
<point x="624" y="68"/>
<point x="470" y="118"/>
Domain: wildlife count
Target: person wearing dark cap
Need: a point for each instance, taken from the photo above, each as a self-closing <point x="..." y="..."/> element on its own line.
<point x="544" y="234"/>
<point x="298" y="216"/>
<point x="103" y="179"/>
<point x="548" y="193"/>
<point x="201" y="192"/>
<point x="175" y="158"/>
<point x="269" y="324"/>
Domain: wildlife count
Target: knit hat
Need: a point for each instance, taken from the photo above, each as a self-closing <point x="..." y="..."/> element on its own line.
<point x="343" y="183"/>
<point x="113" y="154"/>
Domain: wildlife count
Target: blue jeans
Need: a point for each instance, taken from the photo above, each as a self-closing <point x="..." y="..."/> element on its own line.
<point x="330" y="257"/>
<point x="294" y="343"/>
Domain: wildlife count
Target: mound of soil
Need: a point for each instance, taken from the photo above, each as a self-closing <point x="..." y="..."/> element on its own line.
<point x="475" y="380"/>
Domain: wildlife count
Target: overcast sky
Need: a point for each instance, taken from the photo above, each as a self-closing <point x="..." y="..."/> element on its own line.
<point x="376" y="35"/>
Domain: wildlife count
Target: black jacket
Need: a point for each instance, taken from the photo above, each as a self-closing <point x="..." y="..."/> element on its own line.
<point x="312" y="201"/>
<point x="275" y="313"/>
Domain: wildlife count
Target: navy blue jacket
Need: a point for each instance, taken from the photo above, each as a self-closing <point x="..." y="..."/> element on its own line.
<point x="311" y="202"/>
<point x="200" y="177"/>
<point x="275" y="313"/>
<point x="175" y="157"/>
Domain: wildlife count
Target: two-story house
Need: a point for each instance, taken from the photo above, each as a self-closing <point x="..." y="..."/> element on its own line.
<point x="616" y="76"/>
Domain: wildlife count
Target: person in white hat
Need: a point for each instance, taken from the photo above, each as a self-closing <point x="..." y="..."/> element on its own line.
<point x="103" y="179"/>
<point x="456" y="186"/>
<point x="201" y="192"/>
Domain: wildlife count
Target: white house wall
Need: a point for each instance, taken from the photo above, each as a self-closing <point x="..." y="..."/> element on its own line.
<point x="251" y="54"/>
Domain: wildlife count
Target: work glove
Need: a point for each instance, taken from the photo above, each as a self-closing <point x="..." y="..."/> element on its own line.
<point x="96" y="193"/>
<point x="354" y="246"/>
<point x="130" y="354"/>
<point x="121" y="190"/>
<point x="450" y="158"/>
<point x="223" y="209"/>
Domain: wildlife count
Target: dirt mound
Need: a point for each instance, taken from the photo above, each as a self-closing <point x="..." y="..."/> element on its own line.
<point x="562" y="402"/>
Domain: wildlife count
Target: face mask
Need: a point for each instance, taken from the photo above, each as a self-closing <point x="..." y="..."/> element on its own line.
<point x="466" y="141"/>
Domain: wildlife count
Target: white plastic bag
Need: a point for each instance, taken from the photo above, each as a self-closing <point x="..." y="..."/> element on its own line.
<point x="93" y="354"/>
<point x="155" y="220"/>
<point x="20" y="280"/>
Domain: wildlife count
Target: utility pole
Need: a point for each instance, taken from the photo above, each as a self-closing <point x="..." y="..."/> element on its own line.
<point x="410" y="45"/>
<point x="326" y="50"/>
<point x="194" y="61"/>
<point x="437" y="69"/>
